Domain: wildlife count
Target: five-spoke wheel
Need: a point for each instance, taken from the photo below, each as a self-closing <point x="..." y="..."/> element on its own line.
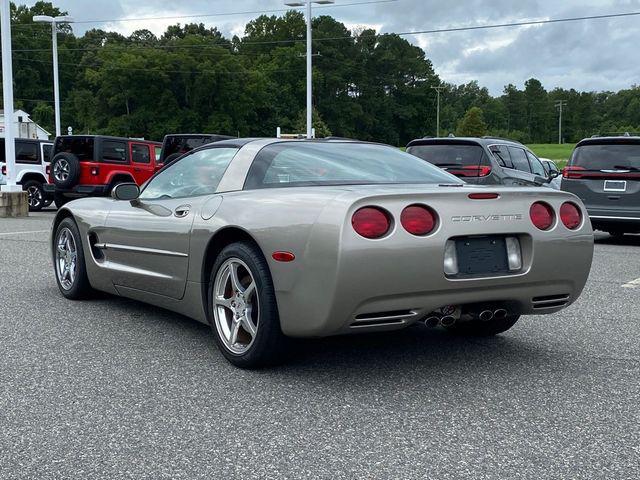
<point x="68" y="259"/>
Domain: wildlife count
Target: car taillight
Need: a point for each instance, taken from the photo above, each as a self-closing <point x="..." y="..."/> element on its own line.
<point x="573" y="172"/>
<point x="483" y="196"/>
<point x="570" y="215"/>
<point x="4" y="169"/>
<point x="471" y="171"/>
<point x="418" y="220"/>
<point x="541" y="215"/>
<point x="48" y="169"/>
<point x="371" y="222"/>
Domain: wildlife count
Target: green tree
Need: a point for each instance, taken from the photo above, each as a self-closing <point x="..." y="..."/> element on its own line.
<point x="322" y="130"/>
<point x="473" y="124"/>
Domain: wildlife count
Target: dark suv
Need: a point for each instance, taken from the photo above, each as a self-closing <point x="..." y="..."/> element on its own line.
<point x="91" y="165"/>
<point x="605" y="173"/>
<point x="484" y="161"/>
<point x="175" y="145"/>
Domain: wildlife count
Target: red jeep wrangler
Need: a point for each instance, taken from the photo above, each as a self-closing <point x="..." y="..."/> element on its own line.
<point x="91" y="165"/>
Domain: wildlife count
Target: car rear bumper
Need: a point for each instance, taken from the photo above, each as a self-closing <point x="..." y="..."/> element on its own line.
<point x="614" y="221"/>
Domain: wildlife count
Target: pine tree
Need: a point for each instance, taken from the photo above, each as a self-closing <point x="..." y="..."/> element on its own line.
<point x="473" y="124"/>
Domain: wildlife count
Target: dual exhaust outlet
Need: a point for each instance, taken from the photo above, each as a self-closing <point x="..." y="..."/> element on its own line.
<point x="433" y="321"/>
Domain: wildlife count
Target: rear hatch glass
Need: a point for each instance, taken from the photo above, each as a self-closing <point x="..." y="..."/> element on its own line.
<point x="462" y="160"/>
<point x="605" y="160"/>
<point x="81" y="147"/>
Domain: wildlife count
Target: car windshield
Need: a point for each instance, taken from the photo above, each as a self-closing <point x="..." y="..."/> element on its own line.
<point x="450" y="155"/>
<point x="607" y="157"/>
<point x="291" y="164"/>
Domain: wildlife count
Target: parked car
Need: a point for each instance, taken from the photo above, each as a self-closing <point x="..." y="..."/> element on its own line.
<point x="91" y="165"/>
<point x="175" y="145"/>
<point x="483" y="161"/>
<point x="32" y="163"/>
<point x="552" y="171"/>
<point x="264" y="239"/>
<point x="605" y="173"/>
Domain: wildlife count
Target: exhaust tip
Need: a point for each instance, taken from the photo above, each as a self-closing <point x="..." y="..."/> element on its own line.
<point x="500" y="314"/>
<point x="432" y="322"/>
<point x="447" y="321"/>
<point x="486" y="315"/>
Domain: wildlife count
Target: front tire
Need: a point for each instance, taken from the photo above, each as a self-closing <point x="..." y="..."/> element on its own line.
<point x="242" y="308"/>
<point x="36" y="195"/>
<point x="478" y="328"/>
<point x="68" y="261"/>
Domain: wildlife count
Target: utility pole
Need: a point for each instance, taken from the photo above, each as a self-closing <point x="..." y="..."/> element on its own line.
<point x="54" y="21"/>
<point x="7" y="97"/>
<point x="560" y="104"/>
<point x="438" y="90"/>
<point x="308" y="4"/>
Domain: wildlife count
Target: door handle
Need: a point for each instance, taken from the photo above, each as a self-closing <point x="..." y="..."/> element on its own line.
<point x="182" y="211"/>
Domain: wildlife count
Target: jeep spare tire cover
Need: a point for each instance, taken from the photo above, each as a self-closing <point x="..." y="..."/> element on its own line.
<point x="65" y="170"/>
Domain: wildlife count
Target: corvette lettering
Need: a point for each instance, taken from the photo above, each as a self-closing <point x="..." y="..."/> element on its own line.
<point x="486" y="218"/>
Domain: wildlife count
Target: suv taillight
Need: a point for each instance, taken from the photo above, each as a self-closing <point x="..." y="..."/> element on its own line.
<point x="371" y="222"/>
<point x="573" y="172"/>
<point x="4" y="170"/>
<point x="471" y="171"/>
<point x="542" y="215"/>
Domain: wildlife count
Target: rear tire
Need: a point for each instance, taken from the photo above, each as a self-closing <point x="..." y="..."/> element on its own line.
<point x="478" y="328"/>
<point x="36" y="195"/>
<point x="242" y="308"/>
<point x="68" y="261"/>
<point x="65" y="170"/>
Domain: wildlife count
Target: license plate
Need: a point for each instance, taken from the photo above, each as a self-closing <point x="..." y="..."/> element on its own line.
<point x="615" y="186"/>
<point x="482" y="255"/>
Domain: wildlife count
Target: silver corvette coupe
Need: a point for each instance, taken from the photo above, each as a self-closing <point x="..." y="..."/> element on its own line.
<point x="267" y="239"/>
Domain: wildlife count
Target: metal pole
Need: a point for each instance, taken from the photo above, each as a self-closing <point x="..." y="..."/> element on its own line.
<point x="7" y="96"/>
<point x="560" y="104"/>
<point x="438" y="90"/>
<point x="309" y="73"/>
<point x="56" y="82"/>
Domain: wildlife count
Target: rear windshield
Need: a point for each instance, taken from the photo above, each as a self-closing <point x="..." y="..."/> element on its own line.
<point x="81" y="147"/>
<point x="293" y="164"/>
<point x="183" y="145"/>
<point x="449" y="155"/>
<point x="607" y="157"/>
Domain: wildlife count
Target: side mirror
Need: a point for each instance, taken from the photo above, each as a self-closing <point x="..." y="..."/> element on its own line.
<point x="125" y="191"/>
<point x="553" y="174"/>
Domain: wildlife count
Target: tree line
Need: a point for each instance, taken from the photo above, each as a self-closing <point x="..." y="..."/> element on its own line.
<point x="194" y="79"/>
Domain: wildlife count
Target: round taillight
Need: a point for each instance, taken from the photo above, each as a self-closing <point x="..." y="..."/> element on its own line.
<point x="418" y="220"/>
<point x="541" y="215"/>
<point x="570" y="215"/>
<point x="371" y="222"/>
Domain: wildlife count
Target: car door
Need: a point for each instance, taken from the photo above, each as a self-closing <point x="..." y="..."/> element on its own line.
<point x="141" y="164"/>
<point x="522" y="168"/>
<point x="145" y="243"/>
<point x="509" y="175"/>
<point x="537" y="169"/>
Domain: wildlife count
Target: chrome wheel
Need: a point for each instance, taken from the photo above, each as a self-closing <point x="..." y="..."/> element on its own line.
<point x="66" y="259"/>
<point x="61" y="170"/>
<point x="35" y="196"/>
<point x="236" y="307"/>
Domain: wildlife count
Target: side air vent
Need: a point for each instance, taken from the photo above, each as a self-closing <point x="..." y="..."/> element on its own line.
<point x="379" y="319"/>
<point x="550" y="301"/>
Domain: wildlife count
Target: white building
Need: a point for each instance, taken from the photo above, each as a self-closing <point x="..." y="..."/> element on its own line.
<point x="24" y="127"/>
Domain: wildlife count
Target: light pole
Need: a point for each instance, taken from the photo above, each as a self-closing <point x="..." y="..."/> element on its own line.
<point x="438" y="90"/>
<point x="7" y="97"/>
<point x="309" y="58"/>
<point x="54" y="21"/>
<point x="560" y="104"/>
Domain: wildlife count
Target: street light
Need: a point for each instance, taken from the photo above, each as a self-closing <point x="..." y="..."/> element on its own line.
<point x="54" y="21"/>
<point x="309" y="59"/>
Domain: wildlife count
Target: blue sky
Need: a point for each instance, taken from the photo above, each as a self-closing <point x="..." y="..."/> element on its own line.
<point x="592" y="55"/>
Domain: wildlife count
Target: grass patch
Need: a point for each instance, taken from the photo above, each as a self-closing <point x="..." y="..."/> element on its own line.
<point x="559" y="153"/>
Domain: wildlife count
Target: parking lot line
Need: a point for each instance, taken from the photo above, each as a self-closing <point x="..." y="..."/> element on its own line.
<point x="23" y="233"/>
<point x="633" y="284"/>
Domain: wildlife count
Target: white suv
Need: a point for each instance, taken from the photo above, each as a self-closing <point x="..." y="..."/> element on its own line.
<point x="32" y="164"/>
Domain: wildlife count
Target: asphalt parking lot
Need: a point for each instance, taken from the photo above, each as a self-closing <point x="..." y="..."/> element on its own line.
<point x="112" y="388"/>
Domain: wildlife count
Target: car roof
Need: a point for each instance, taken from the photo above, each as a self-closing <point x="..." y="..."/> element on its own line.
<point x="618" y="140"/>
<point x="482" y="141"/>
